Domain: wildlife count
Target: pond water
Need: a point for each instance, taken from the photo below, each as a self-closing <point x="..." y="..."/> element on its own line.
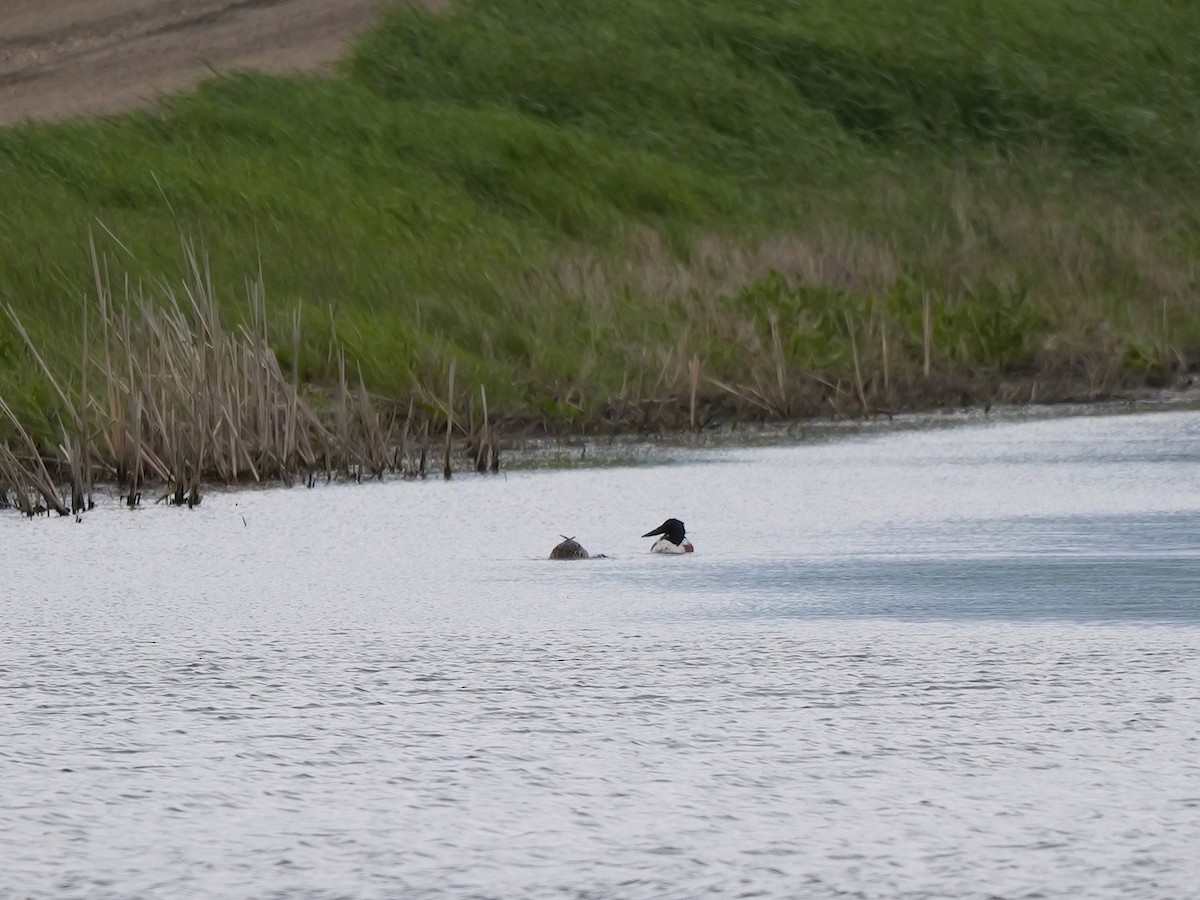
<point x="923" y="663"/>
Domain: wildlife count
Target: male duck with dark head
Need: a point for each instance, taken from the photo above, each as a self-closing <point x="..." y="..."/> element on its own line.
<point x="673" y="540"/>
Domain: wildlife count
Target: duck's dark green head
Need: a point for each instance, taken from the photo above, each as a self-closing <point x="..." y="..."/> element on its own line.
<point x="672" y="530"/>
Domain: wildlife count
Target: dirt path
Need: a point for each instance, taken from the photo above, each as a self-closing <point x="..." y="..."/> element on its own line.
<point x="61" y="58"/>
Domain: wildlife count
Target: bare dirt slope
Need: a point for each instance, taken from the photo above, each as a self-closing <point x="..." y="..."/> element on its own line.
<point x="61" y="58"/>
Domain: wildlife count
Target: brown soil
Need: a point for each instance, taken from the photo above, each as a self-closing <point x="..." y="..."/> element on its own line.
<point x="61" y="58"/>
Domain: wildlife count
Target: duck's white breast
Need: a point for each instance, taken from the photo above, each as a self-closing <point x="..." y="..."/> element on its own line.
<point x="662" y="545"/>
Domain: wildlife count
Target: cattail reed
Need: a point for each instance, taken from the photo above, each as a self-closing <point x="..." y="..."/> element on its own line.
<point x="174" y="398"/>
<point x="449" y="422"/>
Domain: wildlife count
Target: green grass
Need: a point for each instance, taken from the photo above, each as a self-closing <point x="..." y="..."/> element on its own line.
<point x="573" y="200"/>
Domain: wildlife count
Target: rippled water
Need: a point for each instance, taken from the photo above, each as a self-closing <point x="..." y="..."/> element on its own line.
<point x="941" y="663"/>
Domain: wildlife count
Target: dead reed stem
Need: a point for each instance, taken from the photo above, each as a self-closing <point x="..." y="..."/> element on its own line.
<point x="483" y="448"/>
<point x="858" y="379"/>
<point x="927" y="327"/>
<point x="694" y="382"/>
<point x="449" y="420"/>
<point x="34" y="475"/>
<point x="887" y="369"/>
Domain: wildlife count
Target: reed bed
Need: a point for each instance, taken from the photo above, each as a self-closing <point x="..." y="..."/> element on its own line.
<point x="838" y="323"/>
<point x="166" y="399"/>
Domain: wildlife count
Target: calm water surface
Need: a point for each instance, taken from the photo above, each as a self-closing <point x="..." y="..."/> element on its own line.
<point x="942" y="663"/>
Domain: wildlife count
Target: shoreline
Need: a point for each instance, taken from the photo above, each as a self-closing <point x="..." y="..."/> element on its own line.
<point x="531" y="453"/>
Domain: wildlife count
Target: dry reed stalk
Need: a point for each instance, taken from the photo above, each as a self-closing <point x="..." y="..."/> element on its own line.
<point x="83" y="473"/>
<point x="694" y="382"/>
<point x="375" y="441"/>
<point x="449" y="420"/>
<point x="770" y="392"/>
<point x="14" y="485"/>
<point x="407" y="469"/>
<point x="483" y="448"/>
<point x="666" y="364"/>
<point x="35" y="474"/>
<point x="342" y="415"/>
<point x="19" y="490"/>
<point x="199" y="443"/>
<point x="780" y="364"/>
<point x="135" y="471"/>
<point x="73" y="454"/>
<point x="424" y="451"/>
<point x="37" y="357"/>
<point x="748" y="394"/>
<point x="114" y="433"/>
<point x="927" y="326"/>
<point x="858" y="379"/>
<point x="290" y="451"/>
<point x="887" y="369"/>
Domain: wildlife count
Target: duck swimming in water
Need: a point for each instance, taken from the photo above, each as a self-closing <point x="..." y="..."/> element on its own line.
<point x="673" y="540"/>
<point x="569" y="548"/>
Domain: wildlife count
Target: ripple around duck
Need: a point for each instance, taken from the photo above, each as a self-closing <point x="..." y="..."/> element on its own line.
<point x="853" y="689"/>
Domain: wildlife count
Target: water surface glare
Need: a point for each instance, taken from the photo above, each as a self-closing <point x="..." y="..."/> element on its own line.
<point x="945" y="663"/>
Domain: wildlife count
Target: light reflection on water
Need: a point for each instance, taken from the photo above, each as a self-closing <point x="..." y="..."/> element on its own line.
<point x="924" y="664"/>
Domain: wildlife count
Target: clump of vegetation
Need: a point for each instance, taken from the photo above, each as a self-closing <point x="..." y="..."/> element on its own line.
<point x="164" y="395"/>
<point x="655" y="213"/>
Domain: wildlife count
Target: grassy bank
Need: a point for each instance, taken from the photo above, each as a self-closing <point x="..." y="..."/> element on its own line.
<point x="655" y="212"/>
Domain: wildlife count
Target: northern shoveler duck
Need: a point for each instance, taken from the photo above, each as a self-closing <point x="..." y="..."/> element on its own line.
<point x="673" y="540"/>
<point x="570" y="548"/>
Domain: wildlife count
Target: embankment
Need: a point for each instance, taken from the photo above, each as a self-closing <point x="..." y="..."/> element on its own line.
<point x="653" y="213"/>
